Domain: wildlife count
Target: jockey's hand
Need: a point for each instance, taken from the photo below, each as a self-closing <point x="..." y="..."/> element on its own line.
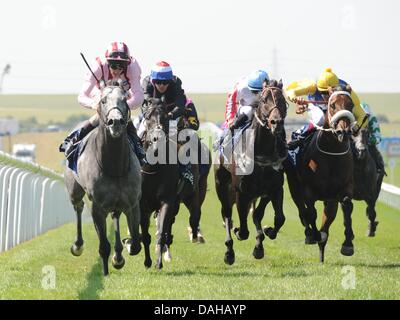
<point x="299" y="100"/>
<point x="300" y="108"/>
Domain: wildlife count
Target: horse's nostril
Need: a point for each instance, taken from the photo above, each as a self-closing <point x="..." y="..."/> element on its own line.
<point x="273" y="122"/>
<point x="154" y="139"/>
<point x="110" y="122"/>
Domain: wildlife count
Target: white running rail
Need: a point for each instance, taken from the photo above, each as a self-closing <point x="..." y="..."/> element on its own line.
<point x="390" y="195"/>
<point x="33" y="200"/>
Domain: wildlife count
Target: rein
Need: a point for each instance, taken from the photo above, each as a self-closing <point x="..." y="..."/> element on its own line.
<point x="332" y="153"/>
<point x="275" y="106"/>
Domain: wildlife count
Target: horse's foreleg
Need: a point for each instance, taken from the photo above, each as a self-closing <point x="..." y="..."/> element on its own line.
<point x="99" y="219"/>
<point x="146" y="237"/>
<point x="371" y="214"/>
<point x="118" y="260"/>
<point x="347" y="247"/>
<point x="258" y="215"/>
<point x="77" y="247"/>
<point x="133" y="219"/>
<point x="163" y="219"/>
<point x="314" y="235"/>
<point x="279" y="218"/>
<point x="223" y="189"/>
<point x="328" y="216"/>
<point x="194" y="216"/>
<point x="243" y="205"/>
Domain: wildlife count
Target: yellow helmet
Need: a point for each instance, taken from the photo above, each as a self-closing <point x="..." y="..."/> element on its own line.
<point x="327" y="79"/>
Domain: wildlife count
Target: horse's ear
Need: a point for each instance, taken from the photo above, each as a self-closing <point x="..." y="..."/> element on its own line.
<point x="280" y="84"/>
<point x="348" y="88"/>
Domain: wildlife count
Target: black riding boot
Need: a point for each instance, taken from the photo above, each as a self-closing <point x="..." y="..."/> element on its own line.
<point x="134" y="138"/>
<point x="376" y="155"/>
<point x="68" y="145"/>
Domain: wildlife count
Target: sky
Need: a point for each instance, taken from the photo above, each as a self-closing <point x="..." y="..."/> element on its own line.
<point x="210" y="43"/>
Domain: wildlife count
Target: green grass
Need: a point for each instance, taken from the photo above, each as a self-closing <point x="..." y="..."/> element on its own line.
<point x="290" y="269"/>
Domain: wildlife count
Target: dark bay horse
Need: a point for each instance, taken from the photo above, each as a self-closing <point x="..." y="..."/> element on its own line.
<point x="325" y="172"/>
<point x="265" y="180"/>
<point x="108" y="171"/>
<point x="367" y="181"/>
<point x="160" y="183"/>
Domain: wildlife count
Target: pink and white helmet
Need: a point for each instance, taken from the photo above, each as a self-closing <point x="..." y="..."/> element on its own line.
<point x="118" y="51"/>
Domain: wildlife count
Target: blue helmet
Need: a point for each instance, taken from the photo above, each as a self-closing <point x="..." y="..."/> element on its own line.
<point x="255" y="80"/>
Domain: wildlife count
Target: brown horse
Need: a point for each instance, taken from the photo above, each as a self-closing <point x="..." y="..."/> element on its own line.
<point x="325" y="172"/>
<point x="161" y="188"/>
<point x="265" y="180"/>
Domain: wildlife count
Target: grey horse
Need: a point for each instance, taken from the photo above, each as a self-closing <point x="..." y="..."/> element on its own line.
<point x="108" y="171"/>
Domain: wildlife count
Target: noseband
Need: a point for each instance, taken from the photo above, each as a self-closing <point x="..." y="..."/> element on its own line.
<point x="125" y="118"/>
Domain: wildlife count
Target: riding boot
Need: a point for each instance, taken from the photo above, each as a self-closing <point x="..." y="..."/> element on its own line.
<point x="376" y="155"/>
<point x="69" y="144"/>
<point x="134" y="139"/>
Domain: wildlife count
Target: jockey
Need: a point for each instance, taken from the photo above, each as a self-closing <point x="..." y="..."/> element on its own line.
<point x="117" y="65"/>
<point x="375" y="138"/>
<point x="162" y="82"/>
<point x="318" y="91"/>
<point x="240" y="103"/>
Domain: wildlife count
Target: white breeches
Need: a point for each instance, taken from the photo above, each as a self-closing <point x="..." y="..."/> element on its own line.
<point x="316" y="115"/>
<point x="247" y="110"/>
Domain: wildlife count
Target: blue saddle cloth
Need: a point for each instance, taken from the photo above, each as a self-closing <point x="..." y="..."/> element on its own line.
<point x="72" y="160"/>
<point x="79" y="147"/>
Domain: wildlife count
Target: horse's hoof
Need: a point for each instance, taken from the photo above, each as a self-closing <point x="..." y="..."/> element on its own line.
<point x="258" y="253"/>
<point x="229" y="258"/>
<point x="310" y="240"/>
<point x="347" y="251"/>
<point x="270" y="233"/>
<point x="76" y="251"/>
<point x="131" y="247"/>
<point x="118" y="264"/>
<point x="239" y="234"/>
<point x="193" y="240"/>
<point x="147" y="263"/>
<point x="371" y="229"/>
<point x="200" y="239"/>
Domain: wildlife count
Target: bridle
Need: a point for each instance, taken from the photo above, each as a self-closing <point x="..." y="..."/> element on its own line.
<point x="332" y="120"/>
<point x="126" y="115"/>
<point x="266" y="121"/>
